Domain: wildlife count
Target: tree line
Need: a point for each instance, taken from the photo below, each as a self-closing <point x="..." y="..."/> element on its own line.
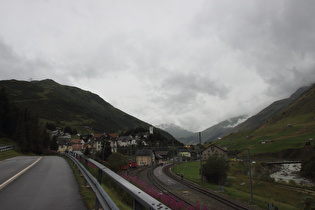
<point x="22" y="126"/>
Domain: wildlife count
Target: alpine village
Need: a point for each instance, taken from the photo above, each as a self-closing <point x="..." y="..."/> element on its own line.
<point x="265" y="162"/>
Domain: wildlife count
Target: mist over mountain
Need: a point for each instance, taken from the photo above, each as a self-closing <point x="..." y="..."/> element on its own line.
<point x="235" y="124"/>
<point x="174" y="130"/>
<point x="208" y="135"/>
<point x="216" y="131"/>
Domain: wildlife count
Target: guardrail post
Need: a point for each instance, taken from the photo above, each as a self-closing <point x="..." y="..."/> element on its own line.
<point x="86" y="166"/>
<point x="97" y="204"/>
<point x="99" y="180"/>
<point x="136" y="205"/>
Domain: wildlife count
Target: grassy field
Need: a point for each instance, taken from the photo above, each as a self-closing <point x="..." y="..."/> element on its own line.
<point x="237" y="187"/>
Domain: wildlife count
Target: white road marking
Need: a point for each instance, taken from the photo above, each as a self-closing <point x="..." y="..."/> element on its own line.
<point x="18" y="174"/>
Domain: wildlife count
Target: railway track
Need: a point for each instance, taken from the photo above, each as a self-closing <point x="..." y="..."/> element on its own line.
<point x="165" y="191"/>
<point x="198" y="188"/>
<point x="145" y="174"/>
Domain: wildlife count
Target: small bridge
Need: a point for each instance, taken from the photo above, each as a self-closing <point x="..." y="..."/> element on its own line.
<point x="284" y="162"/>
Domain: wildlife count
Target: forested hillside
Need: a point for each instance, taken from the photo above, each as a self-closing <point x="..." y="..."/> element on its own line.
<point x="63" y="106"/>
<point x="22" y="126"/>
<point x="66" y="105"/>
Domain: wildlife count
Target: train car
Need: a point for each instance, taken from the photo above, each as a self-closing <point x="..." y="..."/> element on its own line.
<point x="132" y="164"/>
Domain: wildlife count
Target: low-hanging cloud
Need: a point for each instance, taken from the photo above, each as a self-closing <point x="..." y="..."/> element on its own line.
<point x="191" y="63"/>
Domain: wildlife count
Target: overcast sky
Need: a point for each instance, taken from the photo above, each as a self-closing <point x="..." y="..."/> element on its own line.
<point x="189" y="62"/>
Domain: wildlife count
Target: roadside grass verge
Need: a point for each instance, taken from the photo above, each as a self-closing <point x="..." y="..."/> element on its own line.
<point x="86" y="192"/>
<point x="88" y="195"/>
<point x="9" y="154"/>
<point x="237" y="187"/>
<point x="121" y="198"/>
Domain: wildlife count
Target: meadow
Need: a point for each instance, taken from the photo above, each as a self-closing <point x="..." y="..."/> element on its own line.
<point x="237" y="187"/>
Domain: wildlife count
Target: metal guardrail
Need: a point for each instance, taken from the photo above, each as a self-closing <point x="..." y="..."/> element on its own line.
<point x="6" y="148"/>
<point x="101" y="196"/>
<point x="141" y="198"/>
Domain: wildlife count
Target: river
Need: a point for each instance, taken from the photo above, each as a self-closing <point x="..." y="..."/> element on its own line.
<point x="290" y="173"/>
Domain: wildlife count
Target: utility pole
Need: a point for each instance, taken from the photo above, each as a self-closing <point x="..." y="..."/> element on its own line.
<point x="200" y="157"/>
<point x="173" y="155"/>
<point x="103" y="150"/>
<point x="250" y="177"/>
<point x="151" y="168"/>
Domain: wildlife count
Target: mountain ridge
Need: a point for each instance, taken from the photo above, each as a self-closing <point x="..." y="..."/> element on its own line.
<point x="255" y="121"/>
<point x="214" y="132"/>
<point x="289" y="129"/>
<point x="246" y="124"/>
<point x="68" y="105"/>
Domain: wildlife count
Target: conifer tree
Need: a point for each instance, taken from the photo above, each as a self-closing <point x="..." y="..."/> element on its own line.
<point x="54" y="145"/>
<point x="21" y="126"/>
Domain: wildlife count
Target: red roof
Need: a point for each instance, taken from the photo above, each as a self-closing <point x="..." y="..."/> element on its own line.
<point x="98" y="135"/>
<point x="113" y="135"/>
<point x="76" y="141"/>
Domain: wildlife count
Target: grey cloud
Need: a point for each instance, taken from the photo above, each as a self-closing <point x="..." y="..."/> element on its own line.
<point x="17" y="66"/>
<point x="277" y="38"/>
<point x="294" y="27"/>
<point x="195" y="82"/>
<point x="193" y="59"/>
<point x="246" y="24"/>
<point x="187" y="89"/>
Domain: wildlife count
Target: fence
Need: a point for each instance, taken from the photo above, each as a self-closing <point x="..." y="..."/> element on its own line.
<point x="140" y="198"/>
<point x="5" y="148"/>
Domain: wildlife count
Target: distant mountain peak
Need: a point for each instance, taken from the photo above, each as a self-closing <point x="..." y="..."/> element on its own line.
<point x="174" y="130"/>
<point x="210" y="134"/>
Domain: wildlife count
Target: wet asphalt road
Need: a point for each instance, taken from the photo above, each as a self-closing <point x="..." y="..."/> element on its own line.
<point x="49" y="185"/>
<point x="12" y="166"/>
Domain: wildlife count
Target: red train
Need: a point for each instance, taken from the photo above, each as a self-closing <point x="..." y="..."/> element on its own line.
<point x="132" y="164"/>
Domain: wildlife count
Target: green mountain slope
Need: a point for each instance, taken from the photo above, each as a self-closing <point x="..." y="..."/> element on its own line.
<point x="273" y="109"/>
<point x="290" y="128"/>
<point x="61" y="104"/>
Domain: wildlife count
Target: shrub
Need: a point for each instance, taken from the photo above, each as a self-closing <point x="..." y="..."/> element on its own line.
<point x="116" y="161"/>
<point x="307" y="169"/>
<point x="215" y="170"/>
